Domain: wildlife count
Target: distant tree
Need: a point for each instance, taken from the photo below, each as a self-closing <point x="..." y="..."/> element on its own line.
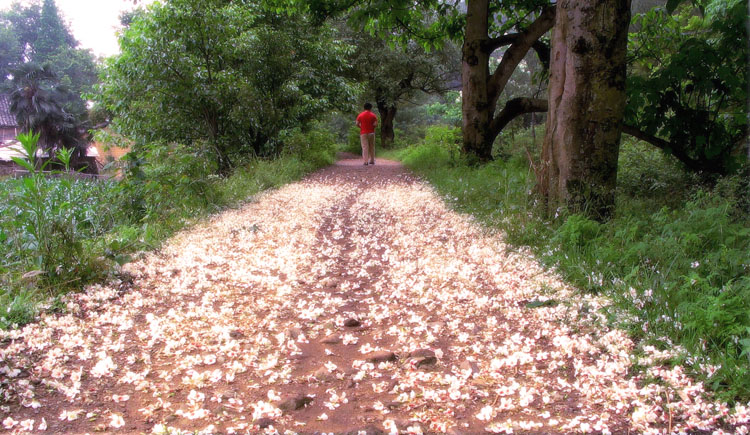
<point x="38" y="101"/>
<point x="24" y="22"/>
<point x="53" y="34"/>
<point x="42" y="36"/>
<point x="76" y="69"/>
<point x="230" y="74"/>
<point x="10" y="51"/>
<point x="393" y="75"/>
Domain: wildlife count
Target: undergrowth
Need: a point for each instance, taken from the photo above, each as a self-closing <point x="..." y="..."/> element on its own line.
<point x="675" y="260"/>
<point x="59" y="233"/>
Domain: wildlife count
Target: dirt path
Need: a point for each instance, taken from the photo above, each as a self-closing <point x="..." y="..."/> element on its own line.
<point x="351" y="302"/>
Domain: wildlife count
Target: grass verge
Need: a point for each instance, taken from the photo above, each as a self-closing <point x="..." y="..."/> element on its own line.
<point x="675" y="260"/>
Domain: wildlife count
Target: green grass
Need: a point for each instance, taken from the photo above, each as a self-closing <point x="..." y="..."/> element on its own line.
<point x="675" y="260"/>
<point x="89" y="228"/>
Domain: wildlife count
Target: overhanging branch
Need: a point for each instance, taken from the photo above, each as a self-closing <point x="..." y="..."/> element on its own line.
<point x="493" y="44"/>
<point x="543" y="52"/>
<point x="712" y="166"/>
<point x="514" y="108"/>
<point x="518" y="49"/>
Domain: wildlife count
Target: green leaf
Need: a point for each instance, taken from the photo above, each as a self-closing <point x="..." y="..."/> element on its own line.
<point x="23" y="163"/>
<point x="538" y="303"/>
<point x="122" y="259"/>
<point x="672" y="5"/>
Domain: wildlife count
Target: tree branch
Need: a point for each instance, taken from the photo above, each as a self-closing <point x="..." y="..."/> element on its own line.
<point x="492" y="44"/>
<point x="515" y="108"/>
<point x="543" y="52"/>
<point x="678" y="152"/>
<point x="518" y="49"/>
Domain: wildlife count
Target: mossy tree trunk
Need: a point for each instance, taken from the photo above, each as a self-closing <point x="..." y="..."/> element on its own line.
<point x="475" y="74"/>
<point x="586" y="106"/>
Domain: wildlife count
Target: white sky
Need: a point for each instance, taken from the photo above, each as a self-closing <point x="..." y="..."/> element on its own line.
<point x="93" y="22"/>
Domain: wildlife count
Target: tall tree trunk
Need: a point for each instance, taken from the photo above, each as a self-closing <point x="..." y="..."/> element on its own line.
<point x="223" y="163"/>
<point x="387" y="113"/>
<point x="475" y="74"/>
<point x="586" y="106"/>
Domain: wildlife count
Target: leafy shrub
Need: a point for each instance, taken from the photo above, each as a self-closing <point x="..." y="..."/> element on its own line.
<point x="577" y="231"/>
<point x="353" y="143"/>
<point x="441" y="147"/>
<point x="316" y="146"/>
<point x="164" y="179"/>
<point x="646" y="172"/>
<point x="47" y="222"/>
<point x="448" y="110"/>
<point x="736" y="189"/>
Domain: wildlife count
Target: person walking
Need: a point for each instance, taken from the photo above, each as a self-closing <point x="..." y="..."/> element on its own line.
<point x="367" y="121"/>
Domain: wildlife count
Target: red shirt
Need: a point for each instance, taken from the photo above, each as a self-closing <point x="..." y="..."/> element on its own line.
<point x="367" y="122"/>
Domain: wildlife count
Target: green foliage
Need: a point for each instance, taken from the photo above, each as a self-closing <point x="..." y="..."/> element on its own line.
<point x="428" y="22"/>
<point x="19" y="308"/>
<point x="315" y="146"/>
<point x="53" y="34"/>
<point x="674" y="260"/>
<point x="51" y="220"/>
<point x="449" y="110"/>
<point x="231" y="74"/>
<point x="646" y="172"/>
<point x="688" y="82"/>
<point x="38" y="34"/>
<point x="38" y="101"/>
<point x="577" y="231"/>
<point x="10" y="52"/>
<point x="394" y="75"/>
<point x="441" y="147"/>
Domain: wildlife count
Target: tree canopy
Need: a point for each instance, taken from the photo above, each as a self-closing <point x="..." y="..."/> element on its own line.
<point x="38" y="100"/>
<point x="37" y="34"/>
<point x="394" y="75"/>
<point x="233" y="74"/>
<point x="687" y="87"/>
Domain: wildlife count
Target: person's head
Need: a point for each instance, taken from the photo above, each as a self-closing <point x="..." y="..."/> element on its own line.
<point x="368" y="106"/>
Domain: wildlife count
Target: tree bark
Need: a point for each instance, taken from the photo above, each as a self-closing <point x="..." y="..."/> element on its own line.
<point x="515" y="108"/>
<point x="480" y="89"/>
<point x="475" y="74"/>
<point x="387" y="113"/>
<point x="586" y="106"/>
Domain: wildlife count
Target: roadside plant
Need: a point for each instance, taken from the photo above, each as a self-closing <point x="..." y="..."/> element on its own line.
<point x="47" y="232"/>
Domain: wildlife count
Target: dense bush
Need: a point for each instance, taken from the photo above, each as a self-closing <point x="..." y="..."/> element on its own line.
<point x="47" y="244"/>
<point x="316" y="146"/>
<point x="441" y="147"/>
<point x="674" y="261"/>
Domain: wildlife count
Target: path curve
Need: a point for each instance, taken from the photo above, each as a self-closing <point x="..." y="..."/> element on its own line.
<point x="353" y="301"/>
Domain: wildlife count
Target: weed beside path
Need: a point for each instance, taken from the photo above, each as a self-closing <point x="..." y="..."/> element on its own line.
<point x="354" y="300"/>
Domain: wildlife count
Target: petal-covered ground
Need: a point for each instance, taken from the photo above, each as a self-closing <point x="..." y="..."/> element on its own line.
<point x="353" y="301"/>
